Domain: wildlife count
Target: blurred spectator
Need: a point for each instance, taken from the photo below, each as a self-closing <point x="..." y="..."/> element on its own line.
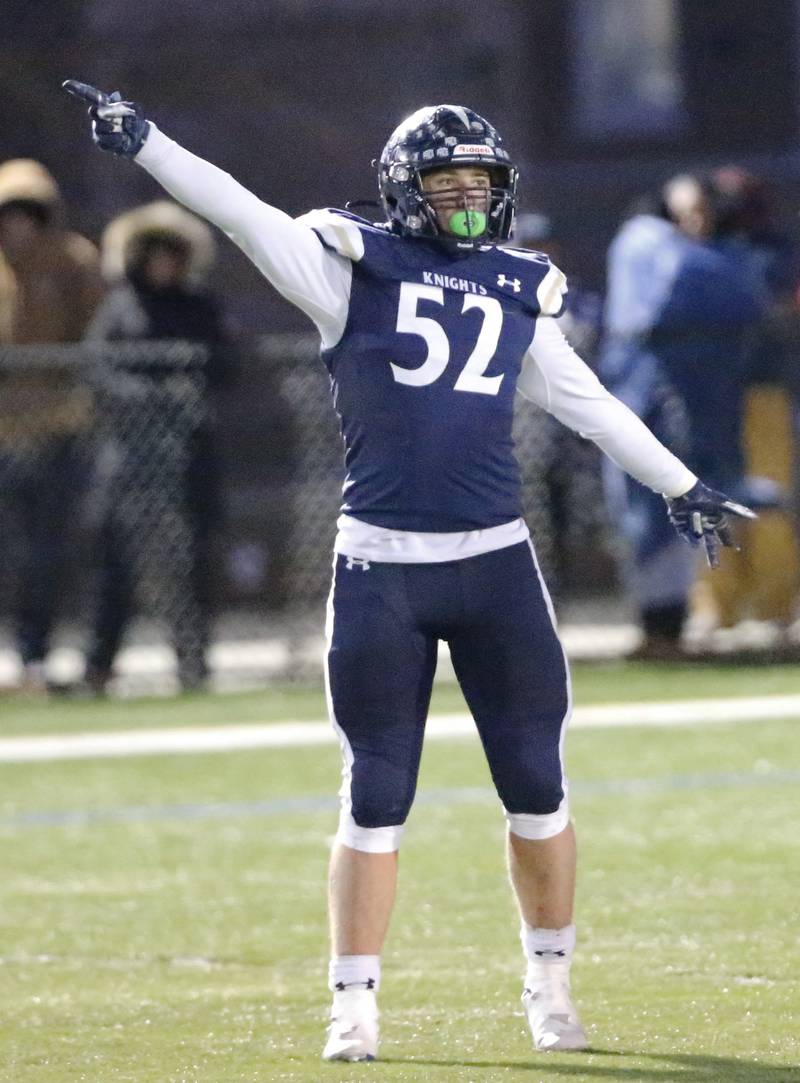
<point x="762" y="581"/>
<point x="746" y="211"/>
<point x="49" y="287"/>
<point x="566" y="507"/>
<point x="684" y="301"/>
<point x="158" y="257"/>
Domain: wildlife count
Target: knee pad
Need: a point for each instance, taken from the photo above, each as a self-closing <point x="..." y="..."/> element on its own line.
<point x="370" y="840"/>
<point x="372" y="806"/>
<point x="539" y="826"/>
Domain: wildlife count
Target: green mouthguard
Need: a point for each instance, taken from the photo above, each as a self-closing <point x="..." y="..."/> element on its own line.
<point x="468" y="223"/>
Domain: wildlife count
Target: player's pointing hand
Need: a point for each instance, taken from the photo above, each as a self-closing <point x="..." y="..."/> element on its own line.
<point x="83" y="90"/>
<point x="703" y="515"/>
<point x="117" y="125"/>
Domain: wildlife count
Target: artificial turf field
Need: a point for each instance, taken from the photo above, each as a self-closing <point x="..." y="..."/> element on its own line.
<point x="162" y="918"/>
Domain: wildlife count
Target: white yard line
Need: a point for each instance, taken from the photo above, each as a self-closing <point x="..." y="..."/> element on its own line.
<point x="80" y="746"/>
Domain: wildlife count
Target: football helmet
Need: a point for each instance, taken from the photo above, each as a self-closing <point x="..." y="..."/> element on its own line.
<point x="446" y="135"/>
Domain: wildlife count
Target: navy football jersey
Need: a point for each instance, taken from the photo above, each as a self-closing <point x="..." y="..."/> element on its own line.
<point x="424" y="375"/>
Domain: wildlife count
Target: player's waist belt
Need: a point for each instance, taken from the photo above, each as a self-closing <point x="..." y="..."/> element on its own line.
<point x="363" y="541"/>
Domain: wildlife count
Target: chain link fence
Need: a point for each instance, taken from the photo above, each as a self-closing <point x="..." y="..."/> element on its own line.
<point x="96" y="515"/>
<point x="100" y="500"/>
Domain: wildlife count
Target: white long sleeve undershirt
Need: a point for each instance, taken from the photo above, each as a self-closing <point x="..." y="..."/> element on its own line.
<point x="289" y="255"/>
<point x="555" y="378"/>
<point x="317" y="280"/>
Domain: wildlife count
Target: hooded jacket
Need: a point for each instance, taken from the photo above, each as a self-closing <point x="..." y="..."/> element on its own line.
<point x="48" y="293"/>
<point x="134" y="309"/>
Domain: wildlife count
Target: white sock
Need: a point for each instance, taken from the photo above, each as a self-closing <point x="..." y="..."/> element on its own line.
<point x="545" y="948"/>
<point x="354" y="971"/>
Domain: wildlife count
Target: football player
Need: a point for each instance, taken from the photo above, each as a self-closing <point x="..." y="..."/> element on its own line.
<point x="428" y="329"/>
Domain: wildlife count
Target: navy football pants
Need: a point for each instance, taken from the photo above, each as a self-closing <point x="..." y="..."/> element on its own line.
<point x="384" y="624"/>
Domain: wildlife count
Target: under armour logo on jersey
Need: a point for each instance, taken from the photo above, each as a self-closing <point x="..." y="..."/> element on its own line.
<point x="515" y="283"/>
<point x="353" y="561"/>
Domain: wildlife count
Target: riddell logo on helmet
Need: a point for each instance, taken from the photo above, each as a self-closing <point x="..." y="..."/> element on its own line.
<point x="470" y="148"/>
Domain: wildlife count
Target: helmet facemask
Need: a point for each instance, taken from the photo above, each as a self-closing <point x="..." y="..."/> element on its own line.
<point x="466" y="216"/>
<point x="438" y="138"/>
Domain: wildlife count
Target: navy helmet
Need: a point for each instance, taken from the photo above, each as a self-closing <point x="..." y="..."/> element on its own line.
<point x="445" y="135"/>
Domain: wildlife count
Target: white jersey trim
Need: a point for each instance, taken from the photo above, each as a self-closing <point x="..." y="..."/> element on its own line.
<point x="363" y="541"/>
<point x="339" y="233"/>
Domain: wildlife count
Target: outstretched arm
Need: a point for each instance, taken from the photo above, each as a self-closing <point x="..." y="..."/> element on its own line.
<point x="555" y="378"/>
<point x="289" y="254"/>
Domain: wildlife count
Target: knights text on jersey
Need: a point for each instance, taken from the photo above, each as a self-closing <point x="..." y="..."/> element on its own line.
<point x="424" y="375"/>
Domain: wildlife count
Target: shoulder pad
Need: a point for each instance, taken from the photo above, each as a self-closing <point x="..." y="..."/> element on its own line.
<point x="552" y="288"/>
<point x="341" y="231"/>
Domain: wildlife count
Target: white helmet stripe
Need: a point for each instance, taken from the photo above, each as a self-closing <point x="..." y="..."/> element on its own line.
<point x="461" y="114"/>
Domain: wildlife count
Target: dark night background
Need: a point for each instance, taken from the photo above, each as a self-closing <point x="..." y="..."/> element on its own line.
<point x="598" y="99"/>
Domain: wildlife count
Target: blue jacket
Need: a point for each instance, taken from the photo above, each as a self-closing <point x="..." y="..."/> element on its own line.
<point x="680" y="318"/>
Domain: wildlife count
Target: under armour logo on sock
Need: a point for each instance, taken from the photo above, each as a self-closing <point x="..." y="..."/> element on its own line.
<point x="342" y="985"/>
<point x="353" y="561"/>
<point x="542" y="954"/>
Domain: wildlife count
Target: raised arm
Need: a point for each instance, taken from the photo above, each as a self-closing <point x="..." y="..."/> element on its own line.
<point x="288" y="253"/>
